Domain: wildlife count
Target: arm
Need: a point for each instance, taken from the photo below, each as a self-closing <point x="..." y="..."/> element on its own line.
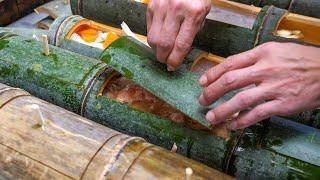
<point x="172" y="25"/>
<point x="287" y="79"/>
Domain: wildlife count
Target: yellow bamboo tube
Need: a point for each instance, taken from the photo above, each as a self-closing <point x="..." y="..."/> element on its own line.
<point x="39" y="140"/>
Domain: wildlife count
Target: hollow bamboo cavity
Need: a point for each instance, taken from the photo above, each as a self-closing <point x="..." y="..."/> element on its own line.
<point x="220" y="35"/>
<point x="12" y="10"/>
<point x="67" y="146"/>
<point x="252" y="153"/>
<point x="308" y="8"/>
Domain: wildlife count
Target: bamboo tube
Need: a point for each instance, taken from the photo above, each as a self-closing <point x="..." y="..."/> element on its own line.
<point x="26" y="32"/>
<point x="197" y="60"/>
<point x="219" y="32"/>
<point x="72" y="147"/>
<point x="45" y="24"/>
<point x="13" y="10"/>
<point x="308" y="8"/>
<point x="74" y="82"/>
<point x="55" y="8"/>
<point x="267" y="150"/>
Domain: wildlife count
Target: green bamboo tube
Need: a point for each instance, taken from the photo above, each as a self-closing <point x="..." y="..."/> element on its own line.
<point x="77" y="148"/>
<point x="308" y="8"/>
<point x="12" y="10"/>
<point x="237" y="155"/>
<point x="68" y="77"/>
<point x="115" y="11"/>
<point x="26" y="32"/>
<point x="58" y="36"/>
<point x="221" y="38"/>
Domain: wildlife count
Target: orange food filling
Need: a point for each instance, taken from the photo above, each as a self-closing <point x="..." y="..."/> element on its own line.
<point x="111" y="37"/>
<point x="89" y="34"/>
<point x="125" y="91"/>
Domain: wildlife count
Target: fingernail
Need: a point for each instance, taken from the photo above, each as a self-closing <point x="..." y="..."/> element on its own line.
<point x="203" y="80"/>
<point x="210" y="117"/>
<point x="170" y="68"/>
<point x="202" y="101"/>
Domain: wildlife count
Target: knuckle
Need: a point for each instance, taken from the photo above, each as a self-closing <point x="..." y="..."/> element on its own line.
<point x="269" y="46"/>
<point x="261" y="113"/>
<point x="197" y="9"/>
<point x="244" y="100"/>
<point x="150" y="7"/>
<point x="182" y="45"/>
<point x="207" y="94"/>
<point x="284" y="110"/>
<point x="252" y="55"/>
<point x="208" y="6"/>
<point x="177" y="5"/>
<point x="211" y="73"/>
<point x="228" y="65"/>
<point x="152" y="40"/>
<point x="228" y="79"/>
<point x="165" y="44"/>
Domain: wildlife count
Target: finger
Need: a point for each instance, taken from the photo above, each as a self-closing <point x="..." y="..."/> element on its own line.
<point x="229" y="81"/>
<point x="257" y="114"/>
<point x="156" y="25"/>
<point x="238" y="61"/>
<point x="168" y="34"/>
<point x="149" y="16"/>
<point x="182" y="44"/>
<point x="241" y="101"/>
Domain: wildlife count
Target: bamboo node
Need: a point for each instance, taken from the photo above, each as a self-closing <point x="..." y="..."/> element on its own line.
<point x="45" y="45"/>
<point x="189" y="173"/>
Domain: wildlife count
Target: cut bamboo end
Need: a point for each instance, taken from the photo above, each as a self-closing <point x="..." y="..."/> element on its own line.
<point x="189" y="173"/>
<point x="292" y="34"/>
<point x="45" y="45"/>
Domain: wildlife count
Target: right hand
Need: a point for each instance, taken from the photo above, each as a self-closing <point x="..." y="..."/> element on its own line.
<point x="172" y="27"/>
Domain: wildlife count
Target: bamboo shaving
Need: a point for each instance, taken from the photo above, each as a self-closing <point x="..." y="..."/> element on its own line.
<point x="127" y="31"/>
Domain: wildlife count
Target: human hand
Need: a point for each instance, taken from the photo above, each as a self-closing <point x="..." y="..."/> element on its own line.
<point x="287" y="79"/>
<point x="172" y="25"/>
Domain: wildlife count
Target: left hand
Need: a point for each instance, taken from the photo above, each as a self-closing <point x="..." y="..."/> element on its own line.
<point x="287" y="79"/>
